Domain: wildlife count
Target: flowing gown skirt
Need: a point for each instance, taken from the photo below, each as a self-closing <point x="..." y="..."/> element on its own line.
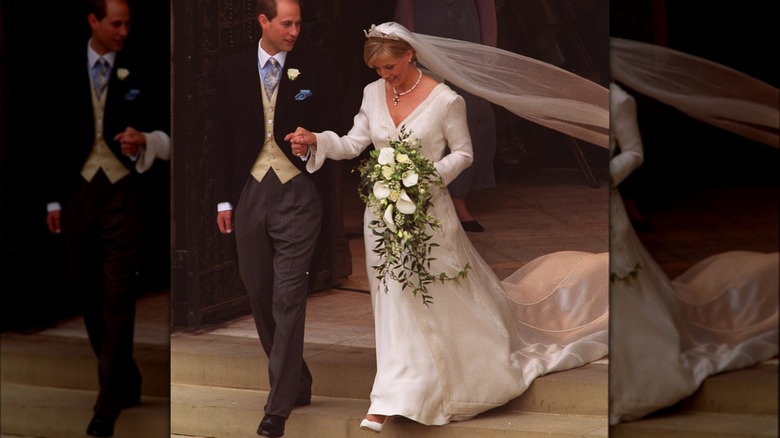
<point x="720" y="315"/>
<point x="482" y="341"/>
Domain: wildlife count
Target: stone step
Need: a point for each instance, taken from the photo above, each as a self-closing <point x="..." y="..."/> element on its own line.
<point x="348" y="372"/>
<point x="200" y="411"/>
<point x="59" y="412"/>
<point x="741" y="403"/>
<point x="750" y="391"/>
<point x="68" y="362"/>
<point x="698" y="425"/>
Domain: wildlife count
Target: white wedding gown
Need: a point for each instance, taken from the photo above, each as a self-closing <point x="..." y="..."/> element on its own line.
<point x="482" y="341"/>
<point x="669" y="335"/>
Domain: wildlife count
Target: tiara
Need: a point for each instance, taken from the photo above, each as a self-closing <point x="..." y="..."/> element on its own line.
<point x="373" y="32"/>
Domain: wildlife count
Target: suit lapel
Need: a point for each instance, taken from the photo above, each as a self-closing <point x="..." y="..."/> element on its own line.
<point x="114" y="87"/>
<point x="286" y="87"/>
<point x="84" y="96"/>
<point x="250" y="80"/>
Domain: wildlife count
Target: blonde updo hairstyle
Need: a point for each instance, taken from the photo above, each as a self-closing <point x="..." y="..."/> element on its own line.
<point x="379" y="48"/>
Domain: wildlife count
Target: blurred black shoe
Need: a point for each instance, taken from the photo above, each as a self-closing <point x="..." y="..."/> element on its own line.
<point x="101" y="426"/>
<point x="472" y="226"/>
<point x="272" y="426"/>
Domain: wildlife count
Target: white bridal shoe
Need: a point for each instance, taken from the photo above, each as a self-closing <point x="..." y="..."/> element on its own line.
<point x="367" y="424"/>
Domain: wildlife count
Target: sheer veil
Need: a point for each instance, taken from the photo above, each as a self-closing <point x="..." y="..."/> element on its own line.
<point x="705" y="90"/>
<point x="532" y="89"/>
<point x="568" y="103"/>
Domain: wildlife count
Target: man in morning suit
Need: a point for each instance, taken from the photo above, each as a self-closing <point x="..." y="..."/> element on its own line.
<point x="263" y="189"/>
<point x="110" y="131"/>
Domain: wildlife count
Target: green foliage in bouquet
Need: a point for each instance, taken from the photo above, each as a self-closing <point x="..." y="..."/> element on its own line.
<point x="396" y="183"/>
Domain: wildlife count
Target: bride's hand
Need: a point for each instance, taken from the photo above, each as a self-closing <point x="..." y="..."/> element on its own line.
<point x="300" y="141"/>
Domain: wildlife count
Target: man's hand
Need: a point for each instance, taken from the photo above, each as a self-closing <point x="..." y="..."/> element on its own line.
<point x="131" y="141"/>
<point x="53" y="221"/>
<point x="300" y="140"/>
<point x="225" y="221"/>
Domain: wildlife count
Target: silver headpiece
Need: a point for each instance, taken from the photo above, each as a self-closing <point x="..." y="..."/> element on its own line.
<point x="373" y="32"/>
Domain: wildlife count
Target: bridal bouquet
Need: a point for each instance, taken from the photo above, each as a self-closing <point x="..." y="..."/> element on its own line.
<point x="395" y="185"/>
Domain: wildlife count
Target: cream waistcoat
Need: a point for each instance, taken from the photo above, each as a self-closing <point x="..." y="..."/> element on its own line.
<point x="101" y="156"/>
<point x="271" y="157"/>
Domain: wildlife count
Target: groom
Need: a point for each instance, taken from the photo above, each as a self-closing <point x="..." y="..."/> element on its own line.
<point x="265" y="194"/>
<point x="113" y="128"/>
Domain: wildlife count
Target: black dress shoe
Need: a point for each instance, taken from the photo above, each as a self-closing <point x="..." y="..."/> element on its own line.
<point x="101" y="425"/>
<point x="472" y="226"/>
<point x="271" y="426"/>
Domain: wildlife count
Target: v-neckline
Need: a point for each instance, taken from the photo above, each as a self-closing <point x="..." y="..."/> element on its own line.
<point x="434" y="90"/>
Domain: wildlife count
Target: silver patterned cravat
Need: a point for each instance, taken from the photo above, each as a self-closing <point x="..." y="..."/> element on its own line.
<point x="100" y="73"/>
<point x="271" y="75"/>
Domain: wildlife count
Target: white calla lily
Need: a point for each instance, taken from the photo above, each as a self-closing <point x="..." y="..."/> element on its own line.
<point x="386" y="156"/>
<point x="405" y="204"/>
<point x="388" y="218"/>
<point x="381" y="190"/>
<point x="410" y="178"/>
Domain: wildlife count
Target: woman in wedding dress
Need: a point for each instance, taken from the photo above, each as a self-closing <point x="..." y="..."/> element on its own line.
<point x="722" y="313"/>
<point x="482" y="341"/>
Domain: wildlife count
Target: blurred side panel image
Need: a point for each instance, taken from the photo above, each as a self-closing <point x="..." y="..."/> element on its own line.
<point x="694" y="262"/>
<point x="85" y="231"/>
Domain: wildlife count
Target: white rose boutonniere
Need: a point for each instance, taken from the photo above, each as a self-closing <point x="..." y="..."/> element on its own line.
<point x="292" y="73"/>
<point x="122" y="73"/>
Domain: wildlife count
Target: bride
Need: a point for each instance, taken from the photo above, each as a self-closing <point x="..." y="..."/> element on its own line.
<point x="433" y="362"/>
<point x="722" y="313"/>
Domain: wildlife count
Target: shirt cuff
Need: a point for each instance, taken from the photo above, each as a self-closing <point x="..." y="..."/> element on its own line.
<point x="224" y="206"/>
<point x="53" y="206"/>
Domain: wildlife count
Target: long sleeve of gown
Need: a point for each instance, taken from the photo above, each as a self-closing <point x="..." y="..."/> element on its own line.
<point x="158" y="147"/>
<point x="331" y="146"/>
<point x="626" y="133"/>
<point x="456" y="133"/>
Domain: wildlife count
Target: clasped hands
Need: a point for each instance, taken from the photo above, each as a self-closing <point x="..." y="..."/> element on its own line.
<point x="131" y="141"/>
<point x="300" y="141"/>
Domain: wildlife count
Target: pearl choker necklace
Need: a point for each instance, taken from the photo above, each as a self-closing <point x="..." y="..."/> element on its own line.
<point x="398" y="95"/>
